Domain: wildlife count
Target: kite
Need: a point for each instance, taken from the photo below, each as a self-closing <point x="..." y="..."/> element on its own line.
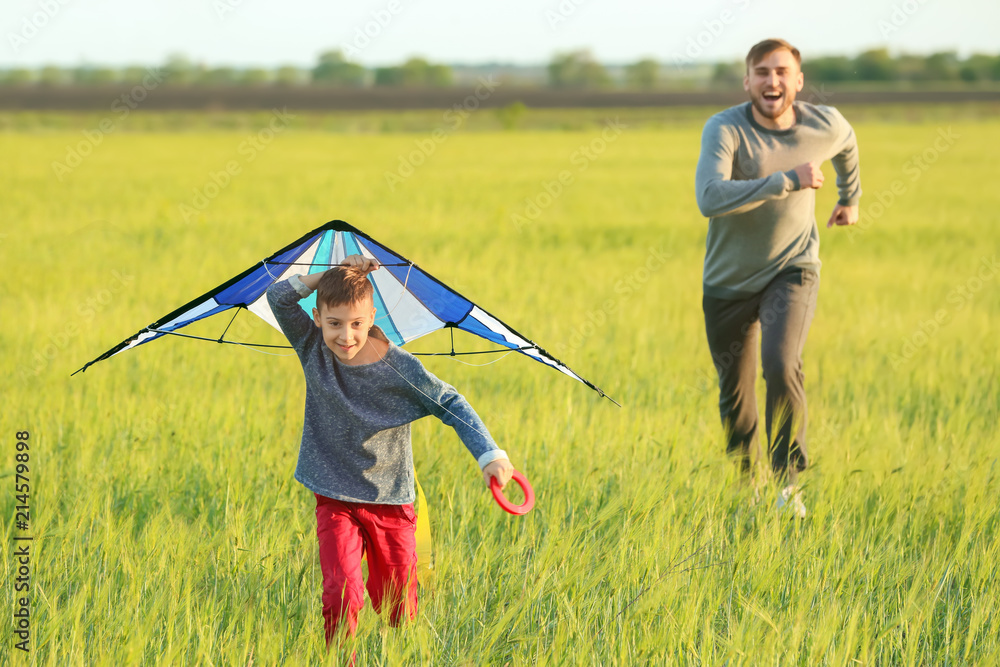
<point x="409" y="302"/>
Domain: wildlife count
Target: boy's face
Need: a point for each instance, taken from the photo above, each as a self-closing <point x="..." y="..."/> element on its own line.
<point x="345" y="327"/>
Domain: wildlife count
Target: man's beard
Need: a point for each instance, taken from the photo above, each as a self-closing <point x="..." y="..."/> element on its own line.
<point x="786" y="100"/>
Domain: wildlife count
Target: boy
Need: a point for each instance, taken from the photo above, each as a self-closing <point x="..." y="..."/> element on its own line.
<point x="362" y="392"/>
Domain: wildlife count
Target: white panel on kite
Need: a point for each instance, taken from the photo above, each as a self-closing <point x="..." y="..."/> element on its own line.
<point x="192" y="314"/>
<point x="261" y="308"/>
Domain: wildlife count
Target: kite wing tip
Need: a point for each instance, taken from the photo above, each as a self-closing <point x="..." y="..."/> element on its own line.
<point x="611" y="399"/>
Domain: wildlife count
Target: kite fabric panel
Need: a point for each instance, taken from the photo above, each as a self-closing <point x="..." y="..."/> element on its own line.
<point x="409" y="302"/>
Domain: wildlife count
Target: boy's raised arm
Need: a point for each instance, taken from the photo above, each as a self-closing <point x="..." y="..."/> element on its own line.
<point x="283" y="297"/>
<point x="366" y="264"/>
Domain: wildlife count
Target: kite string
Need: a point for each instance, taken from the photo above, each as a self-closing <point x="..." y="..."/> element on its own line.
<point x="406" y="282"/>
<point x="251" y="347"/>
<point x="453" y="357"/>
<point x="485" y="435"/>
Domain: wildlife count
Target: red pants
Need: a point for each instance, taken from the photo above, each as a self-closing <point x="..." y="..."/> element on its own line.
<point x="386" y="534"/>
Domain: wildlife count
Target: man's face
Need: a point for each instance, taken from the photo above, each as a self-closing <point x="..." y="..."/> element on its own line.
<point x="773" y="83"/>
<point x="345" y="327"/>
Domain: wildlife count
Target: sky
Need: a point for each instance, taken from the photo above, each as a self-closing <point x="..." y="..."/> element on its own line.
<point x="268" y="33"/>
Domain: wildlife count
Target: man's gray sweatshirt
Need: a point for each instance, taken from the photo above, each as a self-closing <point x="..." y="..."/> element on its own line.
<point x="760" y="221"/>
<point x="356" y="433"/>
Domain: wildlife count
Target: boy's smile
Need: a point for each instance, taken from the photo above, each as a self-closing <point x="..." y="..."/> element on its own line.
<point x="345" y="330"/>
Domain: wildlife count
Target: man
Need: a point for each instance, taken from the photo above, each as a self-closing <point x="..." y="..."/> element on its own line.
<point x="756" y="181"/>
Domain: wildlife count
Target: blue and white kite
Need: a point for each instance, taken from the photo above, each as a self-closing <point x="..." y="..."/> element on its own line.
<point x="410" y="302"/>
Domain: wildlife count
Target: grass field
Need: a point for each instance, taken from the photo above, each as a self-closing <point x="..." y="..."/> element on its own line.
<point x="167" y="526"/>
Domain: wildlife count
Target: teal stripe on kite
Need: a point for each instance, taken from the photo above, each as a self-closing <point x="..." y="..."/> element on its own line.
<point x="324" y="255"/>
<point x="382" y="317"/>
<point x="320" y="260"/>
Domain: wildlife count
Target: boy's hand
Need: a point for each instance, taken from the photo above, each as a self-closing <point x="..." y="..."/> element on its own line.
<point x="364" y="263"/>
<point x="502" y="469"/>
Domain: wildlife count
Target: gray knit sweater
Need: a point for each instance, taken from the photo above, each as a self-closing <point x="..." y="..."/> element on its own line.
<point x="760" y="221"/>
<point x="356" y="434"/>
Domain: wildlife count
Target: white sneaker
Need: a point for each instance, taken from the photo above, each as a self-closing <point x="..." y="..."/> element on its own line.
<point x="790" y="500"/>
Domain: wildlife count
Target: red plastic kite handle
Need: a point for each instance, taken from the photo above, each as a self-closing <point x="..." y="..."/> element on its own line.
<point x="529" y="494"/>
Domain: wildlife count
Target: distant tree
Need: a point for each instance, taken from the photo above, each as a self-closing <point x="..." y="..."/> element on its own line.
<point x="254" y="76"/>
<point x="875" y="65"/>
<point x="135" y="74"/>
<point x="218" y="76"/>
<point x="414" y="72"/>
<point x="179" y="70"/>
<point x="729" y="73"/>
<point x="288" y="75"/>
<point x="643" y="74"/>
<point x="334" y="69"/>
<point x="389" y="76"/>
<point x="829" y="69"/>
<point x="941" y="66"/>
<point x="909" y="67"/>
<point x="17" y="77"/>
<point x="576" y="69"/>
<point x="979" y="67"/>
<point x="88" y="75"/>
<point x="438" y="76"/>
<point x="975" y="68"/>
<point x="52" y="75"/>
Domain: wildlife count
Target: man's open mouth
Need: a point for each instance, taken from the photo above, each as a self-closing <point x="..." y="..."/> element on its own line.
<point x="772" y="95"/>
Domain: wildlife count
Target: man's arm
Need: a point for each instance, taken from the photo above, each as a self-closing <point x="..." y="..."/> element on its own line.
<point x="848" y="167"/>
<point x="718" y="194"/>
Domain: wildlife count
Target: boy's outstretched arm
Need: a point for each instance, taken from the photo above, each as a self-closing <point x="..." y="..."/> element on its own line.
<point x="444" y="402"/>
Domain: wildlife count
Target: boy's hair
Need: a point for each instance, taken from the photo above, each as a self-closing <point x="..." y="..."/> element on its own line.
<point x="343" y="285"/>
<point x="761" y="49"/>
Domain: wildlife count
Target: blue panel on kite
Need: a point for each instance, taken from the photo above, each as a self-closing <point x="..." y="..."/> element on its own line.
<point x="200" y="316"/>
<point x="251" y="286"/>
<point x="474" y="327"/>
<point x="444" y="303"/>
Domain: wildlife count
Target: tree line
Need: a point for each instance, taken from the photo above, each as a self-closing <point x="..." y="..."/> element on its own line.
<point x="573" y="69"/>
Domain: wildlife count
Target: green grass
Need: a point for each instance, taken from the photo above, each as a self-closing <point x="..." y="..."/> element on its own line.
<point x="168" y="528"/>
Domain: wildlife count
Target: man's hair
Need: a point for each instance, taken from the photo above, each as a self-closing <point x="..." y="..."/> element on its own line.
<point x="343" y="285"/>
<point x="761" y="49"/>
